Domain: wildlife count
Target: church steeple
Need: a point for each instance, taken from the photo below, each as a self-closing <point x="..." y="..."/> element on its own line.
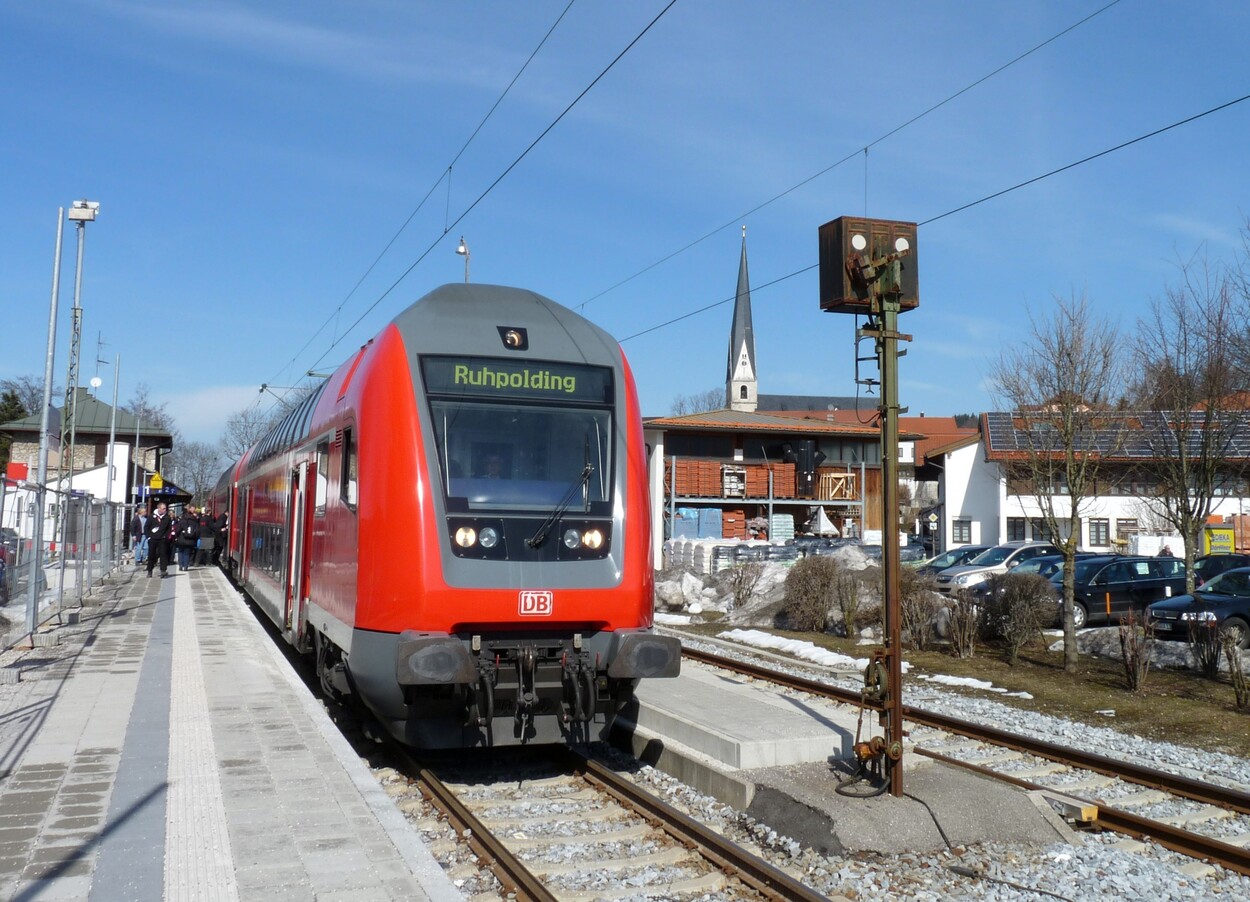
<point x="741" y="387"/>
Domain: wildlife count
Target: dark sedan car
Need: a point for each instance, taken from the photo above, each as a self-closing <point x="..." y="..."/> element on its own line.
<point x="1223" y="603"/>
<point x="1210" y="566"/>
<point x="1107" y="587"/>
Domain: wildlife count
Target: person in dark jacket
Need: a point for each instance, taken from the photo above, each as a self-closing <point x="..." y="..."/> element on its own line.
<point x="139" y="541"/>
<point x="186" y="531"/>
<point x="157" y="530"/>
<point x="219" y="534"/>
<point x="205" y="540"/>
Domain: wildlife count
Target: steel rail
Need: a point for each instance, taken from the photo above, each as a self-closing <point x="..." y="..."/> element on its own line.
<point x="1223" y="797"/>
<point x="509" y="869"/>
<point x="756" y="873"/>
<point x="1178" y="839"/>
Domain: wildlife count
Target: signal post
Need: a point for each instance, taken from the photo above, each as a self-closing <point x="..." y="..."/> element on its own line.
<point x="868" y="268"/>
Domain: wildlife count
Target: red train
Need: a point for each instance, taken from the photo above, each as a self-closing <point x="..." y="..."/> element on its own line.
<point x="456" y="525"/>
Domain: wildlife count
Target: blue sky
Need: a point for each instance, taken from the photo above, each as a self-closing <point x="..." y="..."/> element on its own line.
<point x="253" y="160"/>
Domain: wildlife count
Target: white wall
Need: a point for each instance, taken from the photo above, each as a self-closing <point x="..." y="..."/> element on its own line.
<point x="970" y="490"/>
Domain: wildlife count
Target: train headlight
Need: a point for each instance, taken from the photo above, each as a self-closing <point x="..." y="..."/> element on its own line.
<point x="466" y="537"/>
<point x="592" y="539"/>
<point x="489" y="537"/>
<point x="572" y="538"/>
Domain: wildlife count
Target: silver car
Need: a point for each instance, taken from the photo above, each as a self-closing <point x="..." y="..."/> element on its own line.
<point x="999" y="559"/>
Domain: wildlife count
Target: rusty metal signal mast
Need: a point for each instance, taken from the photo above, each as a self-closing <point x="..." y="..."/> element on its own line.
<point x="868" y="267"/>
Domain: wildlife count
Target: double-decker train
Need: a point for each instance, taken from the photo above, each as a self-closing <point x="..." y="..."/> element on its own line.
<point x="455" y="523"/>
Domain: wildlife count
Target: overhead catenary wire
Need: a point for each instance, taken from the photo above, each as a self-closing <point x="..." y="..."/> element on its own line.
<point x="491" y="187"/>
<point x="1032" y="181"/>
<point x="444" y="174"/>
<point x="852" y="155"/>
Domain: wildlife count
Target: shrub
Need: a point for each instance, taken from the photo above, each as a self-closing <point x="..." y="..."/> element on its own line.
<point x="1204" y="642"/>
<point x="743" y="578"/>
<point x="1236" y="672"/>
<point x="918" y="608"/>
<point x="964" y="617"/>
<point x="1135" y="637"/>
<point x="1016" y="610"/>
<point x="846" y="594"/>
<point x="809" y="594"/>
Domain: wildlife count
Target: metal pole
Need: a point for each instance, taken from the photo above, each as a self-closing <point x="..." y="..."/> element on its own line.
<point x="109" y="535"/>
<point x="887" y="349"/>
<point x="41" y="478"/>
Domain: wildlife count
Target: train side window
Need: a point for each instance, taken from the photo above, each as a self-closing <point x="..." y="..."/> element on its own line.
<point x="348" y="484"/>
<point x="321" y="478"/>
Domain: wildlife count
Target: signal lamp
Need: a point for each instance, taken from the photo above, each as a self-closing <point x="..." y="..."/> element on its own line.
<point x="466" y="537"/>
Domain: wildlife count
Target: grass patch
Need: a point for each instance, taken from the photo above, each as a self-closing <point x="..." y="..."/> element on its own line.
<point x="1174" y="706"/>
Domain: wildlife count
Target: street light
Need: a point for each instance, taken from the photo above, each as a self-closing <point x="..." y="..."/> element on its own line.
<point x="463" y="250"/>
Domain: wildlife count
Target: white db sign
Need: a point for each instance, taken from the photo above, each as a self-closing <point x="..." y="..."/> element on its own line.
<point x="536" y="604"/>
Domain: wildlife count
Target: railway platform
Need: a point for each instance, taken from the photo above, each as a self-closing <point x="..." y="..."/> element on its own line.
<point x="780" y="756"/>
<point x="159" y="747"/>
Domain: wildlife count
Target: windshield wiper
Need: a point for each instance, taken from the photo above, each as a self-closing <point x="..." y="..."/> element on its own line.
<point x="579" y="484"/>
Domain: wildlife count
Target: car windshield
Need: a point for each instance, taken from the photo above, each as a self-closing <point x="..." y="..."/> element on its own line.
<point x="991" y="556"/>
<point x="1231" y="582"/>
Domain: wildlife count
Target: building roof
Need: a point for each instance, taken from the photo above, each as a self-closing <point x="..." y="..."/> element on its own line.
<point x="1116" y="435"/>
<point x="752" y="421"/>
<point x="92" y="417"/>
<point x="818" y="402"/>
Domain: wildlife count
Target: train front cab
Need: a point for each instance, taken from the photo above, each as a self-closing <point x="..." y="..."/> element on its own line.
<point x="459" y="643"/>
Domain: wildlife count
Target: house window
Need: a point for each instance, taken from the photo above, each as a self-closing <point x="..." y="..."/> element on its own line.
<point x="1125" y="528"/>
<point x="1016" y="529"/>
<point x="1099" y="532"/>
<point x="961" y="532"/>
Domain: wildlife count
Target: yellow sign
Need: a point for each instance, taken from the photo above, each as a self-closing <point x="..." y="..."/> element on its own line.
<point x="156" y="482"/>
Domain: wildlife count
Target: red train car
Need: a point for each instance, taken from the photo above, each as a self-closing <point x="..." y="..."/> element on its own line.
<point x="456" y="524"/>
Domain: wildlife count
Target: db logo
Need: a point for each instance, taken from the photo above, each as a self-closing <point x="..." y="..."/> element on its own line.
<point x="536" y="604"/>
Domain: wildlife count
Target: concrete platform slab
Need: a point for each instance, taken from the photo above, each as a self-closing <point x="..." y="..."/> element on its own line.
<point x="741" y="724"/>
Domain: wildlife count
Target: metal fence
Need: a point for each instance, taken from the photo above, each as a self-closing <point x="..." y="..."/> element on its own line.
<point x="83" y="539"/>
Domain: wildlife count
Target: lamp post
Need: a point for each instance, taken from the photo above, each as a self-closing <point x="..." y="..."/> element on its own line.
<point x="41" y="477"/>
<point x="463" y="250"/>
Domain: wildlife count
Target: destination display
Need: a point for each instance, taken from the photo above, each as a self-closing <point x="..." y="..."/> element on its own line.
<point x="490" y="377"/>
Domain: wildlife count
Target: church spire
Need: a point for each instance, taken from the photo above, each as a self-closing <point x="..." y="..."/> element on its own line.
<point x="741" y="388"/>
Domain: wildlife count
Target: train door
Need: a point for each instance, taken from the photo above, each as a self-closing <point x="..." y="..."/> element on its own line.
<point x="245" y="533"/>
<point x="297" y="565"/>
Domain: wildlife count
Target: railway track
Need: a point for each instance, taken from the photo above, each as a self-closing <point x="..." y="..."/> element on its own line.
<point x="1198" y="819"/>
<point x="570" y="828"/>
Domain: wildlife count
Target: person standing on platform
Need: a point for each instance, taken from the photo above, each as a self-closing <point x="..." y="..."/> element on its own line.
<point x="138" y="540"/>
<point x="157" y="530"/>
<point x="204" y="540"/>
<point x="186" y="531"/>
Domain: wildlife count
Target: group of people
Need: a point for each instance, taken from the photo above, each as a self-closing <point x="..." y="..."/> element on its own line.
<point x="196" y="536"/>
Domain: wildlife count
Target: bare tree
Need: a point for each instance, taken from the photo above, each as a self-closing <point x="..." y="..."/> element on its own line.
<point x="198" y="465"/>
<point x="1061" y="384"/>
<point x="1194" y="415"/>
<point x="712" y="399"/>
<point x="29" y="391"/>
<point x="151" y="414"/>
<point x="244" y="428"/>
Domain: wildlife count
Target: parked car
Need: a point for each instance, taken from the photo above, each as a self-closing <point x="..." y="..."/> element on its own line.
<point x="1108" y="586"/>
<point x="1047" y="566"/>
<point x="1212" y="565"/>
<point x="998" y="559"/>
<point x="1223" y="603"/>
<point x="954" y="558"/>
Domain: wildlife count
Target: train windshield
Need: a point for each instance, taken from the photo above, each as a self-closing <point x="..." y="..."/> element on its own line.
<point x="524" y="450"/>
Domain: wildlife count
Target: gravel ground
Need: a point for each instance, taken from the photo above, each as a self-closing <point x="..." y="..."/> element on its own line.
<point x="1097" y="868"/>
